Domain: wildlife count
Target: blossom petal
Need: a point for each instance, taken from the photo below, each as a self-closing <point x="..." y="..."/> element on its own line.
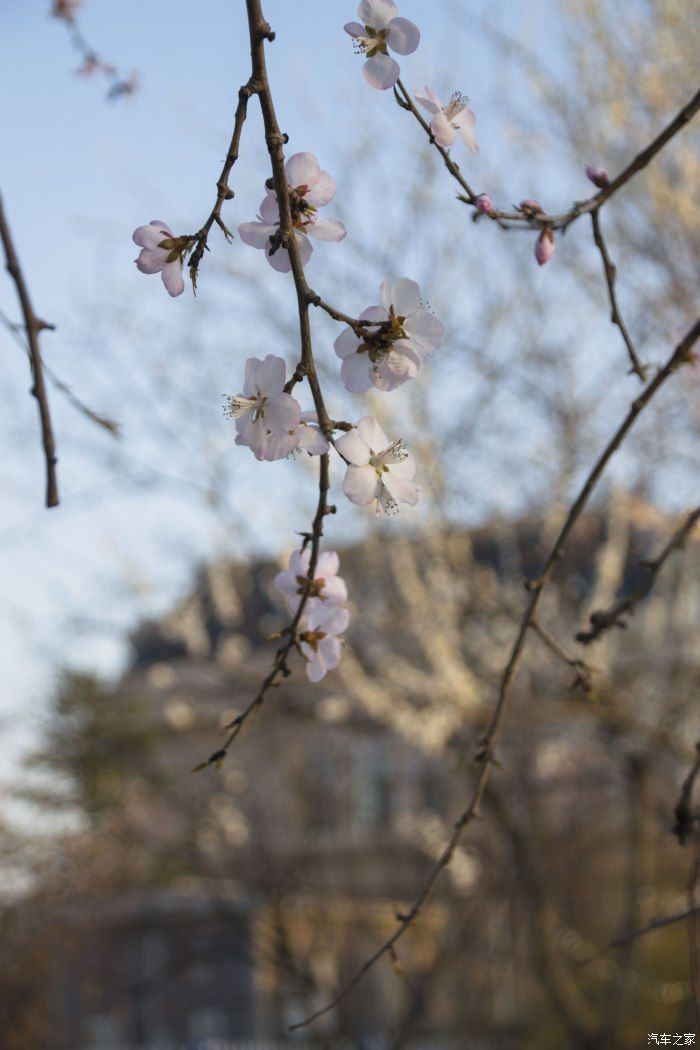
<point x="335" y="591"/>
<point x="326" y="230"/>
<point x="443" y="132"/>
<point x="377" y="13"/>
<point x="270" y="375"/>
<point x="375" y="313"/>
<point x="381" y="72"/>
<point x="403" y="36"/>
<point x="151" y="260"/>
<point x="281" y="414"/>
<point x="269" y="208"/>
<point x="355" y="374"/>
<point x="280" y="260"/>
<point x="253" y="433"/>
<point x="279" y="446"/>
<point x="353" y="448"/>
<point x="256" y="234"/>
<point x="328" y="564"/>
<point x="150" y="236"/>
<point x="171" y="276"/>
<point x="361" y="484"/>
<point x="403" y="295"/>
<point x="312" y="440"/>
<point x="302" y="169"/>
<point x="401" y="488"/>
<point x="425" y="333"/>
<point x="346" y="343"/>
<point x="322" y="191"/>
<point x="355" y="29"/>
<point x="372" y="434"/>
<point x="465" y="122"/>
<point x="429" y="100"/>
<point x="286" y="582"/>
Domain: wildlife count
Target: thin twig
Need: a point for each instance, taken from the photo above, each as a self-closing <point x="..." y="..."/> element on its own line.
<point x="223" y="190"/>
<point x="33" y="326"/>
<point x="72" y="398"/>
<point x="486" y="752"/>
<point x="581" y="669"/>
<point x="610" y="271"/>
<point x="603" y="619"/>
<point x="655" y="924"/>
<point x="591" y="204"/>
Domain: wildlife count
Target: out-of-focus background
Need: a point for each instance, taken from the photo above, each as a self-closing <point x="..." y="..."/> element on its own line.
<point x="143" y="906"/>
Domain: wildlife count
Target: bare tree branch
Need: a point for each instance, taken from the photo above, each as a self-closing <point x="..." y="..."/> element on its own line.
<point x="33" y="326"/>
<point x="610" y="271"/>
<point x="603" y="619"/>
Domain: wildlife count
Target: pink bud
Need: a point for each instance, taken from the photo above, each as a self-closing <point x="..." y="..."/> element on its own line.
<point x="544" y="248"/>
<point x="528" y="205"/>
<point x="484" y="203"/>
<point x="598" y="176"/>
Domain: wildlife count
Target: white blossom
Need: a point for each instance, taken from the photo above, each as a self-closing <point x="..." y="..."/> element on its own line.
<point x="309" y="189"/>
<point x="318" y="638"/>
<point x="379" y="470"/>
<point x="161" y="252"/>
<point x="266" y="418"/>
<point x="447" y="120"/>
<point x="393" y="351"/>
<point x="326" y="587"/>
<point x="378" y="30"/>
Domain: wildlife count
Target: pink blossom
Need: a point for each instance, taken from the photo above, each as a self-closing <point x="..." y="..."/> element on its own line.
<point x="484" y="203"/>
<point x="266" y="417"/>
<point x="379" y="471"/>
<point x="309" y="189"/>
<point x="378" y="30"/>
<point x="447" y="120"/>
<point x="161" y="252"/>
<point x="544" y="247"/>
<point x="392" y="351"/>
<point x="326" y="587"/>
<point x="598" y="176"/>
<point x="318" y="638"/>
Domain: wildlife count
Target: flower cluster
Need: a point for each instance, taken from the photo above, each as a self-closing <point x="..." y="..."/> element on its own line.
<point x="309" y="189"/>
<point x="324" y="617"/>
<point x="269" y="420"/>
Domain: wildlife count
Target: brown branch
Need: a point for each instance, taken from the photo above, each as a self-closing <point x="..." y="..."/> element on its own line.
<point x="280" y="668"/>
<point x="581" y="669"/>
<point x="603" y="619"/>
<point x="72" y="398"/>
<point x="223" y="190"/>
<point x="259" y="32"/>
<point x="592" y="204"/>
<point x="654" y="924"/>
<point x="683" y="812"/>
<point x="610" y="271"/>
<point x="486" y="752"/>
<point x="33" y="326"/>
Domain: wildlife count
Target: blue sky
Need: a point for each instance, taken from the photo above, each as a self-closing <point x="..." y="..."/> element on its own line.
<point x="78" y="174"/>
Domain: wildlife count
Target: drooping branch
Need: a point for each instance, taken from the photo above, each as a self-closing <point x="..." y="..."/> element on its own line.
<point x="610" y="271"/>
<point x="683" y="812"/>
<point x="603" y="619"/>
<point x="486" y="751"/>
<point x="33" y="326"/>
<point x="654" y="924"/>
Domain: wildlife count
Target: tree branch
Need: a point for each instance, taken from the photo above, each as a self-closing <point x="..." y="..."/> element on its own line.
<point x="33" y="326"/>
<point x="603" y="619"/>
<point x="610" y="271"/>
<point x="486" y="752"/>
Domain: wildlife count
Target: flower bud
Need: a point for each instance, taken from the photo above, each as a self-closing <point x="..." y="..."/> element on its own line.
<point x="531" y="207"/>
<point x="484" y="203"/>
<point x="598" y="176"/>
<point x="544" y="248"/>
